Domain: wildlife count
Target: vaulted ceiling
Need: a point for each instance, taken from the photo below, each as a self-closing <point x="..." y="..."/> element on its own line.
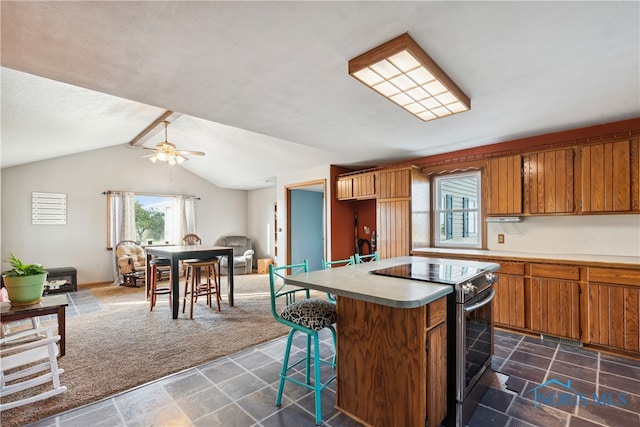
<point x="263" y="89"/>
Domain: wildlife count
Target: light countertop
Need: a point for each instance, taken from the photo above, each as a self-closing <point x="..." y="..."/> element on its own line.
<point x="580" y="259"/>
<point x="355" y="281"/>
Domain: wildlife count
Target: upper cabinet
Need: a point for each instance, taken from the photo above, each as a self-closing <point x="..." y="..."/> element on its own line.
<point x="356" y="186"/>
<point x="402" y="211"/>
<point x="548" y="182"/>
<point x="503" y="189"/>
<point x="610" y="177"/>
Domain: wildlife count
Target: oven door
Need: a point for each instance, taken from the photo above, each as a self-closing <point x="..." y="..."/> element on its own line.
<point x="475" y="341"/>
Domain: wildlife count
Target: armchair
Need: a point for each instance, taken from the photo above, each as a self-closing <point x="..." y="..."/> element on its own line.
<point x="131" y="261"/>
<point x="242" y="255"/>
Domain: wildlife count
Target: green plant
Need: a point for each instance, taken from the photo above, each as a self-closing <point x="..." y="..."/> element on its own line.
<point x="21" y="269"/>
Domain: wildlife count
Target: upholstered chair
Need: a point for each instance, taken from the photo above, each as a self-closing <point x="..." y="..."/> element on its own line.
<point x="242" y="254"/>
<point x="131" y="260"/>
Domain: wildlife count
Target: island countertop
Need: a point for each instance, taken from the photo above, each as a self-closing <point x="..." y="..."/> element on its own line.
<point x="354" y="281"/>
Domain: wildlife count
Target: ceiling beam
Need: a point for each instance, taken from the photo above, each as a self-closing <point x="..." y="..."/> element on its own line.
<point x="151" y="130"/>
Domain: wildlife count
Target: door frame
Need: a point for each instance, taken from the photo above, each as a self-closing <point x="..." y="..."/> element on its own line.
<point x="302" y="186"/>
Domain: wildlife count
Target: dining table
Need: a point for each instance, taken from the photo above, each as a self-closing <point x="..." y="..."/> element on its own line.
<point x="177" y="253"/>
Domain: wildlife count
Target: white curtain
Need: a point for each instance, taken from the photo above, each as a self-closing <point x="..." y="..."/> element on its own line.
<point x="122" y="223"/>
<point x="185" y="218"/>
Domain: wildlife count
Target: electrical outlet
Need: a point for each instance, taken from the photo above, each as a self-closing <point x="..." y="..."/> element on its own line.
<point x="500" y="238"/>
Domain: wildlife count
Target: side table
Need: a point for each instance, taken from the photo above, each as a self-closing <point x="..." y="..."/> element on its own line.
<point x="50" y="304"/>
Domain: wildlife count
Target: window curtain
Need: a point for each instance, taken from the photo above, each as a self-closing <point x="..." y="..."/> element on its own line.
<point x="185" y="220"/>
<point x="122" y="223"/>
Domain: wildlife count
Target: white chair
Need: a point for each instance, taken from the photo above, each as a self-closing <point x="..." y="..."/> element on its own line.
<point x="24" y="356"/>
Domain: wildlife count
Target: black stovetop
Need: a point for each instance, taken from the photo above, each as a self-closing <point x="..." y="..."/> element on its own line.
<point x="449" y="274"/>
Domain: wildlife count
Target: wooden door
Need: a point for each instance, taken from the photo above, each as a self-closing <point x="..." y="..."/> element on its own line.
<point x="548" y="182"/>
<point x="394" y="228"/>
<point x="503" y="189"/>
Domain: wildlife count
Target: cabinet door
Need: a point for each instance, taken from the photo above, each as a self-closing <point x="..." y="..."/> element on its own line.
<point x="344" y="188"/>
<point x="548" y="181"/>
<point x="508" y="304"/>
<point x="504" y="186"/>
<point x="394" y="228"/>
<point x="364" y="186"/>
<point x="436" y="380"/>
<point x="394" y="183"/>
<point x="609" y="176"/>
<point x="554" y="300"/>
<point x="614" y="308"/>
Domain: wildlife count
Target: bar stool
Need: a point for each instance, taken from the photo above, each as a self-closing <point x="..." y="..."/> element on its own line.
<point x="154" y="290"/>
<point x="211" y="285"/>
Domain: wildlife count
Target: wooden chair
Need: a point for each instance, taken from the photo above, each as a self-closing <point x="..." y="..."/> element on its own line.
<point x="157" y="265"/>
<point x="308" y="316"/>
<point x="367" y="258"/>
<point x="337" y="263"/>
<point x="25" y="356"/>
<point x="209" y="288"/>
<point x="191" y="239"/>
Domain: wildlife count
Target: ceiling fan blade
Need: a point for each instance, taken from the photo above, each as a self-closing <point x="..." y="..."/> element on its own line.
<point x="193" y="153"/>
<point x="148" y="155"/>
<point x="149" y="148"/>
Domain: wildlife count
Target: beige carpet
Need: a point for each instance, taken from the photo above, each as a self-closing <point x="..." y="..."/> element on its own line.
<point x="127" y="345"/>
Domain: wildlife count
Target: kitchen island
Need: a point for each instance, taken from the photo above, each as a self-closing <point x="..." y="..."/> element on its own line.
<point x="391" y="343"/>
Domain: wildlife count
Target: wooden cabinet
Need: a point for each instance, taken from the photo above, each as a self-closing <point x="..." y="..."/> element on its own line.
<point x="344" y="188"/>
<point x="614" y="308"/>
<point x="549" y="182"/>
<point x="356" y="186"/>
<point x="609" y="175"/>
<point x="373" y="372"/>
<point x="509" y="302"/>
<point x="554" y="300"/>
<point x="402" y="209"/>
<point x="503" y="189"/>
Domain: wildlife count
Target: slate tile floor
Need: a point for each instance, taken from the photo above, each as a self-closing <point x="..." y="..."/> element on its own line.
<point x="530" y="389"/>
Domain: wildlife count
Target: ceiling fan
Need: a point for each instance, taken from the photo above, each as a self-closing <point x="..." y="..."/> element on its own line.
<point x="166" y="151"/>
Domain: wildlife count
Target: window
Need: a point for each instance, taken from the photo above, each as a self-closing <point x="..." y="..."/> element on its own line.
<point x="457" y="211"/>
<point x="149" y="218"/>
<point x="153" y="219"/>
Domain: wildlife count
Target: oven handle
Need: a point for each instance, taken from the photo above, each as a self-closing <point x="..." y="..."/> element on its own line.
<point x="479" y="304"/>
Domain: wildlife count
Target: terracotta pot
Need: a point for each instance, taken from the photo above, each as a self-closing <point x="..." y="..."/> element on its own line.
<point x="25" y="290"/>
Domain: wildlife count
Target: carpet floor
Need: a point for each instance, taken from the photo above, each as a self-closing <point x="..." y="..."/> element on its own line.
<point x="127" y="345"/>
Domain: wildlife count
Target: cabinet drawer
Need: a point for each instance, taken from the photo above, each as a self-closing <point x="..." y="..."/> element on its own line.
<point x="618" y="276"/>
<point x="516" y="268"/>
<point x="566" y="272"/>
<point x="436" y="312"/>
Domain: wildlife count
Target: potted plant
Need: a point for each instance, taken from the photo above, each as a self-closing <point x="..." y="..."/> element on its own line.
<point x="24" y="282"/>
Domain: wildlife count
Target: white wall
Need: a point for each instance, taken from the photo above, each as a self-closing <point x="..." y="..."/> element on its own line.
<point x="299" y="177"/>
<point x="617" y="235"/>
<point x="81" y="243"/>
<point x="261" y="221"/>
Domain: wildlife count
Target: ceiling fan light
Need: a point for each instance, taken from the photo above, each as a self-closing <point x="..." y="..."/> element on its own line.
<point x="153" y="158"/>
<point x="172" y="161"/>
<point x="180" y="158"/>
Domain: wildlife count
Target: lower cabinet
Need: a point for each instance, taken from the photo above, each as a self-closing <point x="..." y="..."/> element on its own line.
<point x="614" y="308"/>
<point x="509" y="302"/>
<point x="554" y="300"/>
<point x="392" y="363"/>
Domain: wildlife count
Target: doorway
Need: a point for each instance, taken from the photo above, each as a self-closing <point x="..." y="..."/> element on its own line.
<point x="306" y="223"/>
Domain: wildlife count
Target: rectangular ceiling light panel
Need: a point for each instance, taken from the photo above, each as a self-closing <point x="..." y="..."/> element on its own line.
<point x="401" y="71"/>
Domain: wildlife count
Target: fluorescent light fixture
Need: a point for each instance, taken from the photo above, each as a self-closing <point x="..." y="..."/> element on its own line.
<point x="402" y="72"/>
<point x="503" y="219"/>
